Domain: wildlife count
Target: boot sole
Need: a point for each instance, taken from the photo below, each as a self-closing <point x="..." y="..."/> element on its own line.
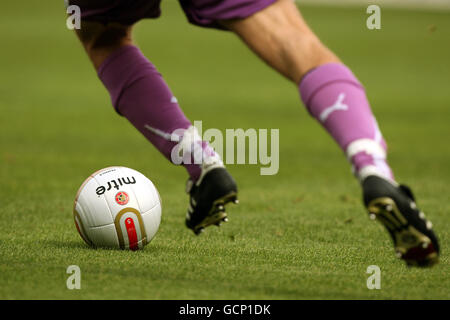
<point x="217" y="214"/>
<point x="411" y="245"/>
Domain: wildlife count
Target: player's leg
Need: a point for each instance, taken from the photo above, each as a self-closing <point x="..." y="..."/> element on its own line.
<point x="137" y="90"/>
<point x="139" y="93"/>
<point x="335" y="97"/>
<point x="280" y="36"/>
<point x="100" y="40"/>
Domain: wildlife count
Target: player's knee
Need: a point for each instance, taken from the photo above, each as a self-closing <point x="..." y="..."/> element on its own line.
<point x="97" y="36"/>
<point x="280" y="35"/>
<point x="113" y="36"/>
<point x="101" y="40"/>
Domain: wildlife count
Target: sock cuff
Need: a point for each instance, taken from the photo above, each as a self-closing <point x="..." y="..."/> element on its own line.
<point x="114" y="56"/>
<point x="121" y="69"/>
<point x="323" y="76"/>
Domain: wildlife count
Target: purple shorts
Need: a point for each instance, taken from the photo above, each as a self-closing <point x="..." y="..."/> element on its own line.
<point x="205" y="13"/>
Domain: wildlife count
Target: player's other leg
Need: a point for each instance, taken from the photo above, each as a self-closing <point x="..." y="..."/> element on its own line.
<point x="139" y="93"/>
<point x="335" y="97"/>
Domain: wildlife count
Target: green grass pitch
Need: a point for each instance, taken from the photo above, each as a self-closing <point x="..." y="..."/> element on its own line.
<point x="300" y="234"/>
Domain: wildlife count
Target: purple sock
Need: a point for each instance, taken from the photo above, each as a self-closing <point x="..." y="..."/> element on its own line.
<point x="139" y="93"/>
<point x="335" y="97"/>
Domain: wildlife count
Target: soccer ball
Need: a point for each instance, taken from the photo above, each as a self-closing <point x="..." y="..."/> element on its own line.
<point x="117" y="207"/>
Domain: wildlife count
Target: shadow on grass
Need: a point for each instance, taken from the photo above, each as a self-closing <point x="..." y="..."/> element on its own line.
<point x="80" y="245"/>
<point x="70" y="244"/>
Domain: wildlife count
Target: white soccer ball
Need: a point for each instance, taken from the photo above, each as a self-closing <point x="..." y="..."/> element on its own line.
<point x="117" y="207"/>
